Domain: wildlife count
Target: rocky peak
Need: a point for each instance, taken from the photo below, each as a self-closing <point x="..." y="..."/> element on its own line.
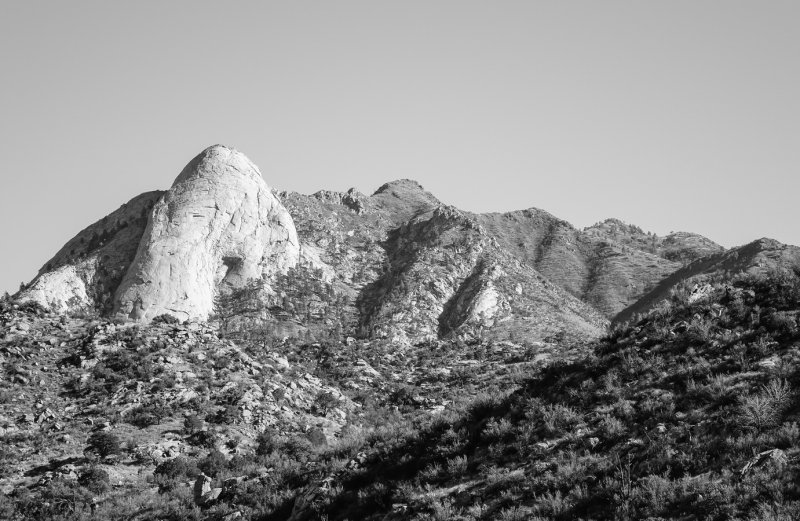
<point x="352" y="199"/>
<point x="400" y="186"/>
<point x="401" y="200"/>
<point x="218" y="226"/>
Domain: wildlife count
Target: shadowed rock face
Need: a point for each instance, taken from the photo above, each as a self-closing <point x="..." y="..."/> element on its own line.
<point x="85" y="272"/>
<point x="219" y="225"/>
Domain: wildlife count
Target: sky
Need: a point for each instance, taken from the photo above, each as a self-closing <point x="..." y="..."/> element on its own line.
<point x="675" y="116"/>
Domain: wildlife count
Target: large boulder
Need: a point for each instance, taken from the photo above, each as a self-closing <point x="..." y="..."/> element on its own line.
<point x="218" y="225"/>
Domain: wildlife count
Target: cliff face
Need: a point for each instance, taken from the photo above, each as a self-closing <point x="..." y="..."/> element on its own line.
<point x="219" y="225"/>
<point x="171" y="252"/>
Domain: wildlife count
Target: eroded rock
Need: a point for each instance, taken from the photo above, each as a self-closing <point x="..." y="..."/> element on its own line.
<point x="219" y="225"/>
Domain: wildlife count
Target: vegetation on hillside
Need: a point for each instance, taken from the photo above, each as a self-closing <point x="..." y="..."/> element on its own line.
<point x="688" y="412"/>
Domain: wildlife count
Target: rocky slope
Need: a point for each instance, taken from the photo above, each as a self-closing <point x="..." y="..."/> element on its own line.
<point x="412" y="269"/>
<point x="682" y="247"/>
<point x="761" y="256"/>
<point x="391" y="357"/>
<point x="691" y="413"/>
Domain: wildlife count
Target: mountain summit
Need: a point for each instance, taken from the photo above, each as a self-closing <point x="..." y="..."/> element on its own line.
<point x="218" y="225"/>
<point x="170" y="252"/>
<point x="224" y="351"/>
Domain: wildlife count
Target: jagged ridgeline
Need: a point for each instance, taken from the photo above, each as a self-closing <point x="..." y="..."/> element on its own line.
<point x="397" y="264"/>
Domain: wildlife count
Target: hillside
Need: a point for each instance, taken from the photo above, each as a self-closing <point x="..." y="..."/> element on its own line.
<point x="682" y="247"/>
<point x="759" y="256"/>
<point x="222" y="350"/>
<point x="690" y="413"/>
<point x="111" y="420"/>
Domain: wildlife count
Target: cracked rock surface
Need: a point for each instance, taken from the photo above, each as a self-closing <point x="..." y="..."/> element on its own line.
<point x="218" y="225"/>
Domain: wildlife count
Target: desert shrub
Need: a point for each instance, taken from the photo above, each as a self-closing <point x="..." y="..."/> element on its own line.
<point x="317" y="437"/>
<point x="699" y="330"/>
<point x="95" y="479"/>
<point x="498" y="429"/>
<point x="266" y="443"/>
<point x="431" y="472"/>
<point x="176" y="468"/>
<point x="59" y="499"/>
<point x="764" y="410"/>
<point x="104" y="444"/>
<point x="227" y="415"/>
<point x="146" y="415"/>
<point x="323" y="403"/>
<point x="457" y="466"/>
<point x="165" y="318"/>
<point x="6" y="396"/>
<point x="213" y="464"/>
<point x="122" y="366"/>
<point x="193" y="424"/>
<point x="32" y="307"/>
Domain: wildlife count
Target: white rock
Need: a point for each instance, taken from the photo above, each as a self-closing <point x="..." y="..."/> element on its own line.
<point x="219" y="225"/>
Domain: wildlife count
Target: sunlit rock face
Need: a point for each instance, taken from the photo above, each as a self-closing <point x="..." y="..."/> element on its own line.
<point x="218" y="225"/>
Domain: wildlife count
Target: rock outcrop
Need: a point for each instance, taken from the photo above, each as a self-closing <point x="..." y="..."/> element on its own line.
<point x="219" y="225"/>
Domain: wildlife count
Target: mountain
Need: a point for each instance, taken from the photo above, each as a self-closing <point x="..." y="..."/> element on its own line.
<point x="682" y="247"/>
<point x="222" y="350"/>
<point x="690" y="413"/>
<point x="220" y="226"/>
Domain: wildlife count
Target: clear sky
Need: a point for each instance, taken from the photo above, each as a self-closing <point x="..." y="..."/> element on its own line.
<point x="672" y="115"/>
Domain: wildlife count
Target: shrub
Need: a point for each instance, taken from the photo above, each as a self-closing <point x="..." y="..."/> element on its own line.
<point x="266" y="443"/>
<point x="176" y="468"/>
<point x="193" y="424"/>
<point x="225" y="416"/>
<point x="317" y="437"/>
<point x="165" y="318"/>
<point x="764" y="410"/>
<point x="147" y="415"/>
<point x="213" y="464"/>
<point x="95" y="479"/>
<point x="104" y="444"/>
<point x="457" y="466"/>
<point x="323" y="403"/>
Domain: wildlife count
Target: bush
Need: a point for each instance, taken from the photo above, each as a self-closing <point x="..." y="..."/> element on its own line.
<point x="225" y="416"/>
<point x="765" y="409"/>
<point x="104" y="444"/>
<point x="193" y="424"/>
<point x="95" y="479"/>
<point x="213" y="464"/>
<point x="176" y="468"/>
<point x="323" y="403"/>
<point x="164" y="318"/>
<point x="147" y="415"/>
